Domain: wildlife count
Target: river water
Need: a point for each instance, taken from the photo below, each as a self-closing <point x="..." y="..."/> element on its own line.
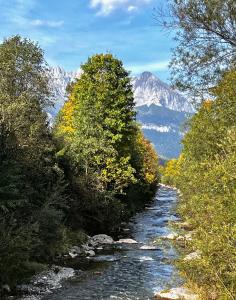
<point x="127" y="272"/>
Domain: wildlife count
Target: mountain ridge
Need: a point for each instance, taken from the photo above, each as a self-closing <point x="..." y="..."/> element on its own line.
<point x="161" y="111"/>
<point x="148" y="89"/>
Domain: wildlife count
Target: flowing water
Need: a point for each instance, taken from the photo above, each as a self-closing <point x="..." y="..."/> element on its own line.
<point x="128" y="272"/>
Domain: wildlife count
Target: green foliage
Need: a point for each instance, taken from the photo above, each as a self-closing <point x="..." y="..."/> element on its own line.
<point x="101" y="144"/>
<point x="207" y="180"/>
<point x="205" y="41"/>
<point x="31" y="184"/>
<point x="101" y="152"/>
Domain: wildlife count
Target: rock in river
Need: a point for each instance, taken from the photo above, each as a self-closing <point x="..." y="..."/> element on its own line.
<point x="180" y="293"/>
<point x="127" y="241"/>
<point x="148" y="247"/>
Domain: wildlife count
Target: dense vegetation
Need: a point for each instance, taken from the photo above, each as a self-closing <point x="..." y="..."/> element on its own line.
<point x="81" y="176"/>
<point x="103" y="150"/>
<point x="205" y="171"/>
<point x="31" y="183"/>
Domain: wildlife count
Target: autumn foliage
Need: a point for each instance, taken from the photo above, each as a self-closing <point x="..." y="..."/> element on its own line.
<point x="102" y="146"/>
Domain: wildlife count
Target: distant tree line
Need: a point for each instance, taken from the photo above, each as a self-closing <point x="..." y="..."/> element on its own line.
<point x="88" y="173"/>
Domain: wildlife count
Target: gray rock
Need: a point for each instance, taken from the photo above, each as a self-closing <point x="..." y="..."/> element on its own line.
<point x="6" y="288"/>
<point x="75" y="251"/>
<point x="72" y="254"/>
<point x="148" y="247"/>
<point x="127" y="241"/>
<point x="86" y="247"/>
<point x="84" y="250"/>
<point x="47" y="281"/>
<point x="100" y="239"/>
<point x="180" y="293"/>
<point x="90" y="253"/>
<point x="170" y="236"/>
<point x="186" y="237"/>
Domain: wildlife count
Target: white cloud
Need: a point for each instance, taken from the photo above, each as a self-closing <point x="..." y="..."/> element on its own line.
<point x="18" y="12"/>
<point x="151" y="67"/>
<point x="107" y="6"/>
<point x="132" y="8"/>
<point x="47" y="23"/>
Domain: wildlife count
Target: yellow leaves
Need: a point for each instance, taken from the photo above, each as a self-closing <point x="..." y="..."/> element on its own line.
<point x="117" y="172"/>
<point x="171" y="171"/>
<point x="65" y="126"/>
<point x="207" y="104"/>
<point x="150" y="160"/>
<point x="150" y="178"/>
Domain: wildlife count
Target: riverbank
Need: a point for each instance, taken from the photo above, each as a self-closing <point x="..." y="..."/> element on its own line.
<point x="137" y="267"/>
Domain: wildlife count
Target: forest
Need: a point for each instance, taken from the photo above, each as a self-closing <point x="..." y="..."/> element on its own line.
<point x="85" y="174"/>
<point x="93" y="169"/>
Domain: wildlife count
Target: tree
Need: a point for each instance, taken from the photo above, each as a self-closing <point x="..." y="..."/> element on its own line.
<point x="101" y="145"/>
<point x="99" y="117"/>
<point x="206" y="178"/>
<point x="206" y="42"/>
<point x="171" y="171"/>
<point x="31" y="183"/>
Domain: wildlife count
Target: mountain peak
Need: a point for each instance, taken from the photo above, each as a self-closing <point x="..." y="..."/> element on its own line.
<point x="149" y="89"/>
<point x="146" y="75"/>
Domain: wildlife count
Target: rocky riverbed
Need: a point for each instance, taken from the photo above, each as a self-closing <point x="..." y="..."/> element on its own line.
<point x="138" y="266"/>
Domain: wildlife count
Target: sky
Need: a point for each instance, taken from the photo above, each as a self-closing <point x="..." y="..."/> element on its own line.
<point x="69" y="31"/>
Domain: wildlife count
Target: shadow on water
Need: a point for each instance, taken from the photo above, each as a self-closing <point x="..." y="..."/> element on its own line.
<point x="127" y="272"/>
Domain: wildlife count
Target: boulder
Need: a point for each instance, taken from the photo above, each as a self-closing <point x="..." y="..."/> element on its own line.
<point x="84" y="250"/>
<point x="86" y="247"/>
<point x="90" y="253"/>
<point x="100" y="239"/>
<point x="180" y="293"/>
<point x="46" y="281"/>
<point x="75" y="251"/>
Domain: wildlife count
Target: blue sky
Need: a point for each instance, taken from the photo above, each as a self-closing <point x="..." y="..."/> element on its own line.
<point x="71" y="30"/>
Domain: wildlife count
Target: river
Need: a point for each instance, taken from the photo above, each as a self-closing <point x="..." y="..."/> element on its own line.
<point x="127" y="272"/>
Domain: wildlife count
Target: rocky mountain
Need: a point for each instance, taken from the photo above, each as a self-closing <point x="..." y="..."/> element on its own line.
<point x="161" y="110"/>
<point x="59" y="81"/>
<point x="149" y="89"/>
